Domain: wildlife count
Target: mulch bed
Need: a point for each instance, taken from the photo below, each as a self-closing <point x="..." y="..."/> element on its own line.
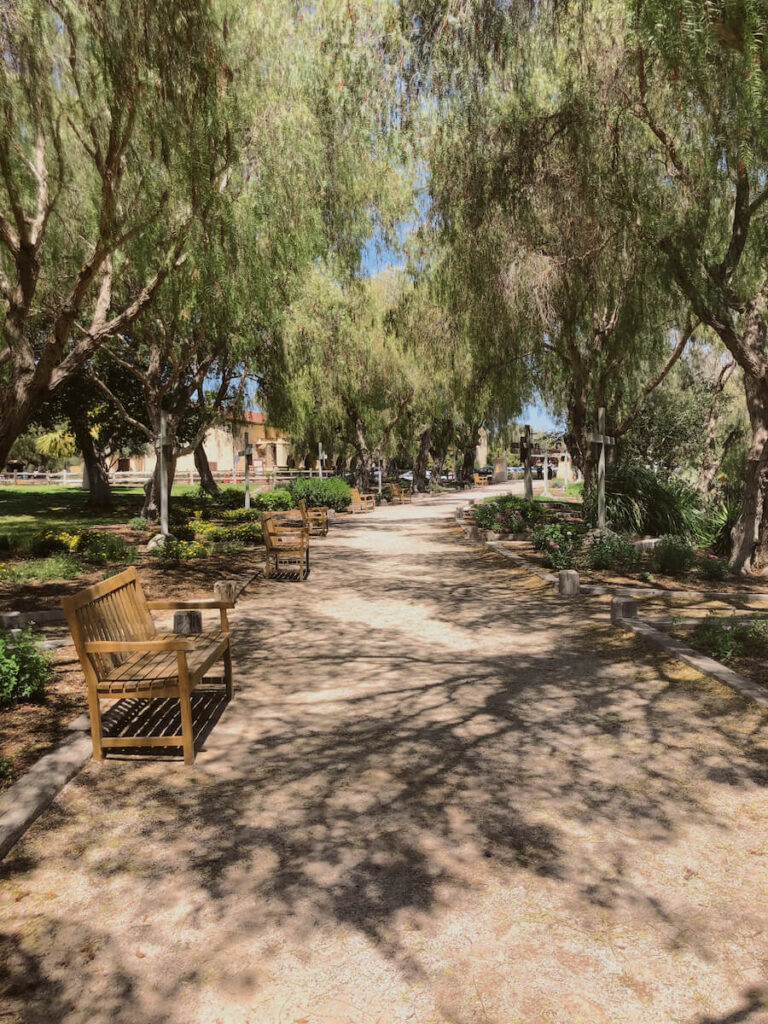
<point x="753" y="667"/>
<point x="28" y="731"/>
<point x="193" y="578"/>
<point x="692" y="581"/>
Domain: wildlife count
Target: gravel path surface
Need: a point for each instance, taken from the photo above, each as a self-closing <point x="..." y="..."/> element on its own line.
<point x="441" y="795"/>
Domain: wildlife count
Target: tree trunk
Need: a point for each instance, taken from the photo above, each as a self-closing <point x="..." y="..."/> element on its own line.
<point x="421" y="459"/>
<point x="710" y="463"/>
<point x="207" y="482"/>
<point x="467" y="470"/>
<point x="99" y="492"/>
<point x="750" y="534"/>
<point x="438" y="462"/>
<point x="151" y="509"/>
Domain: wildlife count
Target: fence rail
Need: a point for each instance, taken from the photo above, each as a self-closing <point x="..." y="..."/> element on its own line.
<point x="187" y="477"/>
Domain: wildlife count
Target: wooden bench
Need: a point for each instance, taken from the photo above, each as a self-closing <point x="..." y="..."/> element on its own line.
<point x="481" y="481"/>
<point x="315" y="519"/>
<point x="123" y="655"/>
<point x="362" y="502"/>
<point x="287" y="547"/>
<point x="399" y="494"/>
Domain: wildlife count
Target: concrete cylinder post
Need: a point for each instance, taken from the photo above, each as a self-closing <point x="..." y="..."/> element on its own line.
<point x="568" y="583"/>
<point x="187" y="623"/>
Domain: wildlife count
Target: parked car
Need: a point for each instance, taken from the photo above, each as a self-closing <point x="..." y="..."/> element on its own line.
<point x="485" y="471"/>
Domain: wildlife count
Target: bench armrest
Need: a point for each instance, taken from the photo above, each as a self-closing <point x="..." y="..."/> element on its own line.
<point x="122" y="646"/>
<point x="193" y="602"/>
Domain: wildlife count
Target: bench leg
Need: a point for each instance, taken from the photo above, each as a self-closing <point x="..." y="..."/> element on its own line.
<point x="96" y="731"/>
<point x="185" y="704"/>
<point x="228" y="672"/>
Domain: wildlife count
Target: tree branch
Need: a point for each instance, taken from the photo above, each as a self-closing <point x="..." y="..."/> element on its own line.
<point x="638" y="406"/>
<point x="119" y="406"/>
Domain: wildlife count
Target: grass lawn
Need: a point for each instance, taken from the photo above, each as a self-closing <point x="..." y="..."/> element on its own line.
<point x="26" y="510"/>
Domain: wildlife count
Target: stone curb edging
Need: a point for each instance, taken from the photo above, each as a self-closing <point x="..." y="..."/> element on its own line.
<point x="676" y="649"/>
<point x="38" y="788"/>
<point x="23" y="802"/>
<point x="702" y="663"/>
<point x="471" y="533"/>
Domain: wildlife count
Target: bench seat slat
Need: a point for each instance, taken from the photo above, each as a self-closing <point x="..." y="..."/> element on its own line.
<point x="148" y="667"/>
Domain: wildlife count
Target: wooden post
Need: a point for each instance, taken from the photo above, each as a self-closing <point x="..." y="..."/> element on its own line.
<point x="546" y="469"/>
<point x="163" y="479"/>
<point x="380" y="475"/>
<point x="248" y="453"/>
<point x="602" y="440"/>
<point x="525" y="453"/>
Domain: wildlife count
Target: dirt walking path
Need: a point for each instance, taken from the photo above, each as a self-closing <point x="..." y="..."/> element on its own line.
<point x="441" y="795"/>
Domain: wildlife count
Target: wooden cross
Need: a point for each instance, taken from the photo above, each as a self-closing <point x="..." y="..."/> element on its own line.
<point x="525" y="456"/>
<point x="603" y="440"/>
<point x="248" y="453"/>
<point x="161" y="458"/>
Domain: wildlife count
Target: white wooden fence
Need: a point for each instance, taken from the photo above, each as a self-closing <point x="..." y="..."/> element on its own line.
<point x="224" y="477"/>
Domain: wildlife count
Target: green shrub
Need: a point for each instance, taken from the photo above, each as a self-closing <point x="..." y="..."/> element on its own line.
<point x="277" y="500"/>
<point x="508" y="514"/>
<point x="51" y="542"/>
<point x="608" y="551"/>
<point x="228" y="497"/>
<point x="244" y="533"/>
<point x="25" y="668"/>
<point x="672" y="555"/>
<point x="210" y="531"/>
<point x="561" y="556"/>
<point x="713" y="568"/>
<point x="100" y="547"/>
<point x="172" y="551"/>
<point x="331" y="491"/>
<point x="637" y="501"/>
<point x="241" y="515"/>
<point x="725" y="640"/>
<point x="183" y="531"/>
<point x="563" y="534"/>
<point x="138" y="523"/>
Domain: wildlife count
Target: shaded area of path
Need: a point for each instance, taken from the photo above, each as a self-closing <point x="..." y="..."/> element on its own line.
<point x="440" y="795"/>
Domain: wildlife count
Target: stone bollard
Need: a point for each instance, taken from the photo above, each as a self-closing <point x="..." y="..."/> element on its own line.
<point x="623" y="608"/>
<point x="226" y="590"/>
<point x="568" y="583"/>
<point x="187" y="623"/>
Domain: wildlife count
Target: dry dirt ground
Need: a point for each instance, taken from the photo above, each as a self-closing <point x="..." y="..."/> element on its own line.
<point x="441" y="795"/>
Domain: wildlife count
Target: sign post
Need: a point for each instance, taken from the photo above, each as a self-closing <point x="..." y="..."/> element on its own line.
<point x="248" y="453"/>
<point x="525" y="458"/>
<point x="603" y="440"/>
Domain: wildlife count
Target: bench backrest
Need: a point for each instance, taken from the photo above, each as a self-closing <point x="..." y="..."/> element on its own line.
<point x="356" y="499"/>
<point x="115" y="609"/>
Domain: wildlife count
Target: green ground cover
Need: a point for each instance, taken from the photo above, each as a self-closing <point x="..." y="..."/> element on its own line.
<point x="25" y="511"/>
